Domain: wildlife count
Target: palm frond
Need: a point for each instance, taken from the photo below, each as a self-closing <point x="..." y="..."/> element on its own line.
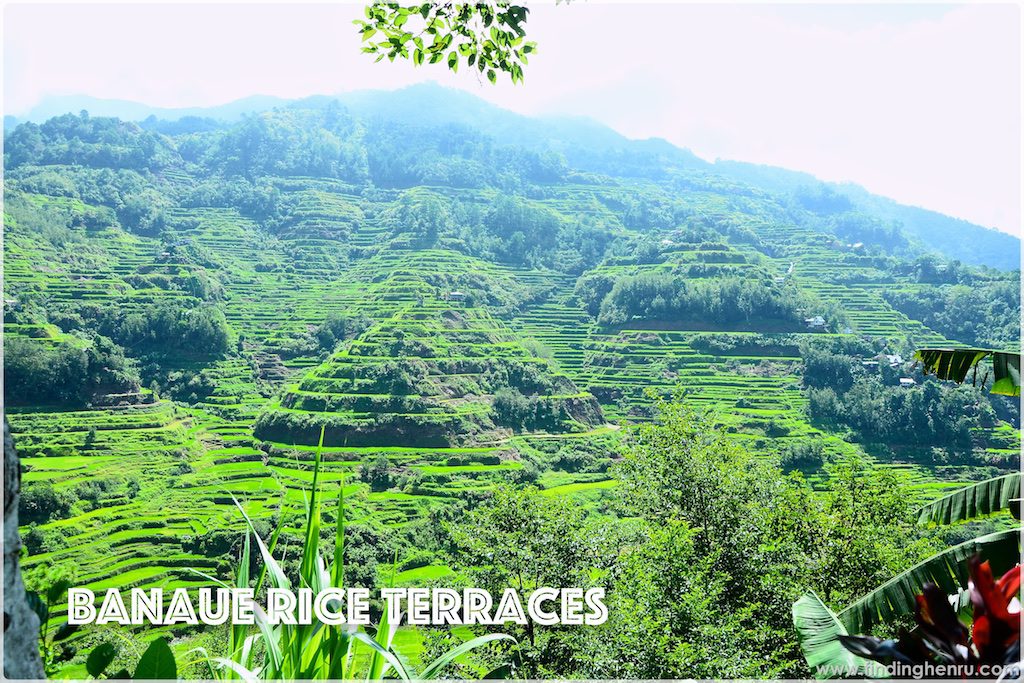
<point x="947" y="570"/>
<point x="976" y="500"/>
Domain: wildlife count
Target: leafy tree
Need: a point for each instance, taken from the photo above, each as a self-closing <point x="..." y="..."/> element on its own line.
<point x="421" y="214"/>
<point x="769" y="537"/>
<point x="143" y="213"/>
<point x="172" y="328"/>
<point x="670" y="614"/>
<point x="986" y="314"/>
<point x="511" y="408"/>
<point x="91" y="141"/>
<point x="520" y="539"/>
<point x="338" y="327"/>
<point x="377" y="473"/>
<point x="487" y="35"/>
<point x="41" y="503"/>
<point x="727" y="301"/>
<point x="67" y="373"/>
<point x="822" y="368"/>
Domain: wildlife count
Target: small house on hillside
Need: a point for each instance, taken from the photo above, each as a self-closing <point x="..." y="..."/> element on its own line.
<point x="815" y="323"/>
<point x="907" y="382"/>
<point x="894" y="359"/>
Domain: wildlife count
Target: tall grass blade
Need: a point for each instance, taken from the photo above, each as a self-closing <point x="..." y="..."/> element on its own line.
<point x="385" y="634"/>
<point x="338" y="568"/>
<point x="236" y="668"/>
<point x="389" y="658"/>
<point x="308" y="568"/>
<point x="241" y="581"/>
<point x="275" y="660"/>
<point x="277" y="576"/>
<point x="434" y="669"/>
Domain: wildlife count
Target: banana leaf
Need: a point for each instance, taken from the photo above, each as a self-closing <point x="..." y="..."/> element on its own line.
<point x="976" y="500"/>
<point x="818" y="630"/>
<point x="956" y="364"/>
<point x="947" y="570"/>
<point x="1006" y="368"/>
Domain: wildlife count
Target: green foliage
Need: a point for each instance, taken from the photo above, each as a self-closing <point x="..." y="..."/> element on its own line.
<point x="422" y="214"/>
<point x="487" y="35"/>
<point x="671" y="612"/>
<point x="377" y="474"/>
<point x="172" y="329"/>
<point x="97" y="142"/>
<point x="804" y="455"/>
<point x="320" y="143"/>
<point x="770" y="538"/>
<point x="926" y="414"/>
<point x="44" y="604"/>
<point x="822" y="368"/>
<point x="511" y="408"/>
<point x="338" y="327"/>
<point x="67" y="373"/>
<point x="865" y="513"/>
<point x="41" y="503"/>
<point x="100" y="658"/>
<point x="822" y="199"/>
<point x="856" y="227"/>
<point x="157" y="663"/>
<point x="726" y="301"/>
<point x="819" y="629"/>
<point x="58" y="223"/>
<point x="522" y="540"/>
<point x="980" y="313"/>
<point x="143" y="213"/>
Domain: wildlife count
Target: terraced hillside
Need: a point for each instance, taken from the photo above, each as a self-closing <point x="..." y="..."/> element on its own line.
<point x="425" y="376"/>
<point x="458" y="313"/>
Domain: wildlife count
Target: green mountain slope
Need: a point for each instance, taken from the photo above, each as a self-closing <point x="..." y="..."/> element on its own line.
<point x="462" y="305"/>
<point x="584" y="143"/>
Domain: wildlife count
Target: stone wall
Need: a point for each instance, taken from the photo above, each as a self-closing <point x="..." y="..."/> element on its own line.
<point x="21" y="625"/>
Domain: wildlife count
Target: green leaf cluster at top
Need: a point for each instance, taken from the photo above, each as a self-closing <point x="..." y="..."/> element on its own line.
<point x="485" y="35"/>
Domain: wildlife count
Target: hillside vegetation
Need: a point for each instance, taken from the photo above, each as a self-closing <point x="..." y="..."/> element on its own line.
<point x="480" y="319"/>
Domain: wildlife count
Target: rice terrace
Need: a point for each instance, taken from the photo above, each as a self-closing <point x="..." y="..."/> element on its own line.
<point x="497" y="326"/>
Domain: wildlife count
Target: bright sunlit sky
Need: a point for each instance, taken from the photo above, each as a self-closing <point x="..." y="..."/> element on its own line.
<point x="921" y="103"/>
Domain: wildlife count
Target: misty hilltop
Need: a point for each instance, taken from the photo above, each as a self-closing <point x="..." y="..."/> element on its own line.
<point x="582" y="144"/>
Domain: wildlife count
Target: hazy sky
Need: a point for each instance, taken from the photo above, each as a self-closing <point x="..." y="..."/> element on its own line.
<point x="921" y="103"/>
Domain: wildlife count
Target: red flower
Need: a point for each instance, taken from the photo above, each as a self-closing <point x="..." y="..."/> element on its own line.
<point x="995" y="627"/>
<point x="940" y="638"/>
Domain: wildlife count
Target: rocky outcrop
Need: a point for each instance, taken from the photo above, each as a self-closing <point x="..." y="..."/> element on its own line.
<point x="21" y="625"/>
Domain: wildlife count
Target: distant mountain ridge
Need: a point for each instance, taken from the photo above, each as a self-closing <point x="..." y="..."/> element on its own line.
<point x="575" y="138"/>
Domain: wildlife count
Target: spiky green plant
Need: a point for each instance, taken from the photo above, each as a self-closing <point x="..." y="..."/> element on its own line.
<point x="316" y="651"/>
